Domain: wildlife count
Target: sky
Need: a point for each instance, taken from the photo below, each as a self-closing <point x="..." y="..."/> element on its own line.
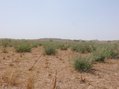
<point x="66" y="19"/>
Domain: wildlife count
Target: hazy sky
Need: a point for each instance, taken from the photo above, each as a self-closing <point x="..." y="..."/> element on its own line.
<point x="72" y="19"/>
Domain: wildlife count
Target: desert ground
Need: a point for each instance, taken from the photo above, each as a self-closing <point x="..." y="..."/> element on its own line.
<point x="36" y="70"/>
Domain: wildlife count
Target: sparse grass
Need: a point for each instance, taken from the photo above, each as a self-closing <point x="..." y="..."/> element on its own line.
<point x="23" y="48"/>
<point x="49" y="50"/>
<point x="82" y="64"/>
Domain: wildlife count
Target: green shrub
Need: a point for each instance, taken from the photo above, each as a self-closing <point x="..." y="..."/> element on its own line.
<point x="23" y="48"/>
<point x="82" y="64"/>
<point x="49" y="50"/>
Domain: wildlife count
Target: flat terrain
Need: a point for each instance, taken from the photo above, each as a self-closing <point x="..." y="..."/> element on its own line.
<point x="34" y="69"/>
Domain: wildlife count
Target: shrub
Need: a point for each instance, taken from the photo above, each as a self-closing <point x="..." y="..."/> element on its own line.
<point x="23" y="48"/>
<point x="82" y="64"/>
<point x="49" y="50"/>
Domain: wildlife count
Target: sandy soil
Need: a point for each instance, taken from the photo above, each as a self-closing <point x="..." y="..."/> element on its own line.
<point x="25" y="70"/>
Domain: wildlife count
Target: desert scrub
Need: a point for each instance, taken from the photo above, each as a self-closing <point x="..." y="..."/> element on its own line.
<point x="50" y="50"/>
<point x="83" y="64"/>
<point x="83" y="48"/>
<point x="23" y="48"/>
